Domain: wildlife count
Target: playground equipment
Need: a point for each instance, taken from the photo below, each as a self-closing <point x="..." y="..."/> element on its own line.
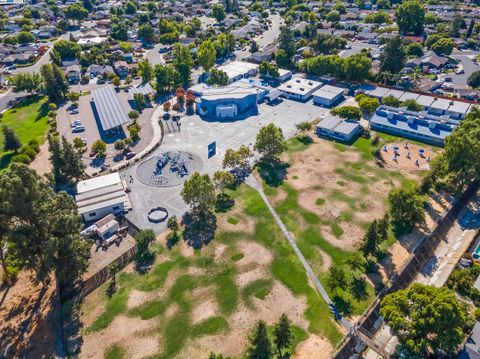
<point x="178" y="164"/>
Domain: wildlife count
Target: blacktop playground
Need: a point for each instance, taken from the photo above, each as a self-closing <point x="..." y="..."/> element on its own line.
<point x="194" y="136"/>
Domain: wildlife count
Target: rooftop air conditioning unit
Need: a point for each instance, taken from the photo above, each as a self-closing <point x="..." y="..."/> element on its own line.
<point x="310" y="83"/>
<point x="390" y="115"/>
<point x="432" y="124"/>
<point x="302" y="89"/>
<point x="298" y="81"/>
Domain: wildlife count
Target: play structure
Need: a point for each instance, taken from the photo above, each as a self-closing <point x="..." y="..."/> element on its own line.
<point x="168" y="169"/>
<point x="407" y="156"/>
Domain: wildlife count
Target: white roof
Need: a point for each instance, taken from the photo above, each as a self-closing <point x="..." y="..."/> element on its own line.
<point x="300" y="86"/>
<point x="441" y="104"/>
<point x="459" y="107"/>
<point x="325" y="94"/>
<point x="409" y="96"/>
<point x="378" y="92"/>
<point x="395" y="93"/>
<point x="98" y="182"/>
<point x="425" y="100"/>
<point x="332" y="89"/>
<point x="236" y="68"/>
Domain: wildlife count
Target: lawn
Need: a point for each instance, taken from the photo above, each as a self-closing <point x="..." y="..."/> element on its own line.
<point x="248" y="272"/>
<point x="331" y="192"/>
<point x="29" y="120"/>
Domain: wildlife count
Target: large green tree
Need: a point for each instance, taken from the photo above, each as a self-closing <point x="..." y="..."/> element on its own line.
<point x="166" y="78"/>
<point x="206" y="55"/>
<point x="393" y="57"/>
<point x="76" y="12"/>
<point x="146" y="32"/>
<point x="182" y="62"/>
<point x="146" y="70"/>
<point x="406" y="207"/>
<point x="10" y="140"/>
<point x="43" y="226"/>
<point x="54" y="81"/>
<point x="427" y="320"/>
<point x="199" y="193"/>
<point x="260" y="346"/>
<point x="410" y="17"/>
<point x="270" y="143"/>
<point x="286" y="40"/>
<point x="356" y="68"/>
<point x="282" y="334"/>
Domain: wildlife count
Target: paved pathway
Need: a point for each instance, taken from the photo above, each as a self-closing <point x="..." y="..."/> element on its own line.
<point x="253" y="182"/>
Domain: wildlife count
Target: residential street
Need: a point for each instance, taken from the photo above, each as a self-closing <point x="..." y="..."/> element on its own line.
<point x="442" y="263"/>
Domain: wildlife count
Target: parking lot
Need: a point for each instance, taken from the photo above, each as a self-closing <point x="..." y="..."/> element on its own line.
<point x="93" y="131"/>
<point x="194" y="137"/>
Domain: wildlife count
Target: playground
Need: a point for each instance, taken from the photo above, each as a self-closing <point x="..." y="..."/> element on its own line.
<point x="407" y="156"/>
<point x="168" y="169"/>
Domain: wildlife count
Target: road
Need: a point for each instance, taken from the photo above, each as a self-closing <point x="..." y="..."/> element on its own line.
<point x="356" y="47"/>
<point x="154" y="56"/>
<point x="466" y="58"/>
<point x="267" y="38"/>
<point x="442" y="263"/>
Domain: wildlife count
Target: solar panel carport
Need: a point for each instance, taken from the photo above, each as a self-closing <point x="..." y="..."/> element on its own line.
<point x="110" y="111"/>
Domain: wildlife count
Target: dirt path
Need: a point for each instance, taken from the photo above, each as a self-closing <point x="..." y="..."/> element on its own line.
<point x="41" y="164"/>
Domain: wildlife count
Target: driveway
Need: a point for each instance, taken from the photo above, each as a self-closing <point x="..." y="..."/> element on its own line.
<point x="468" y="67"/>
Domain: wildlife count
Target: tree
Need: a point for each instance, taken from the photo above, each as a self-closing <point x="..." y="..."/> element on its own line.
<point x="347" y="112"/>
<point x="199" y="193"/>
<point x="253" y="47"/>
<point x="414" y="49"/>
<point x="391" y="101"/>
<point x="217" y="77"/>
<point x="139" y="101"/>
<point x="356" y="68"/>
<point x="327" y="44"/>
<point x="143" y="240"/>
<point x="66" y="161"/>
<point x="270" y="143"/>
<point x="333" y="16"/>
<point x="336" y="278"/>
<point x="218" y="12"/>
<point x="474" y="79"/>
<point x="206" y="55"/>
<point x="11" y="141"/>
<point x="133" y="115"/>
<point x="392" y="58"/>
<point x="462" y="152"/>
<point x="99" y="148"/>
<point x="25" y="37"/>
<point x="427" y="320"/>
<point x="443" y="46"/>
<point x="76" y="12"/>
<point x="412" y="105"/>
<point x="406" y="209"/>
<point x="368" y="104"/>
<point x="54" y="81"/>
<point x="172" y="224"/>
<point x="119" y="31"/>
<point x="238" y="161"/>
<point x="260" y="346"/>
<point x="282" y="334"/>
<point x="268" y="70"/>
<point x="410" y="17"/>
<point x="42" y="226"/>
<point x="146" y="32"/>
<point x="166" y="106"/>
<point x="286" y="40"/>
<point x="166" y="78"/>
<point x="182" y="62"/>
<point x="26" y="81"/>
<point x="116" y="81"/>
<point x="303" y="126"/>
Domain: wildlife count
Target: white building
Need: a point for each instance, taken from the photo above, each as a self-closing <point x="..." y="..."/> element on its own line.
<point x="328" y="96"/>
<point x="237" y="70"/>
<point x="299" y="89"/>
<point x="99" y="196"/>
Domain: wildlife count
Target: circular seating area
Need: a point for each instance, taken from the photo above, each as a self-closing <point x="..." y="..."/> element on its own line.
<point x="157" y="214"/>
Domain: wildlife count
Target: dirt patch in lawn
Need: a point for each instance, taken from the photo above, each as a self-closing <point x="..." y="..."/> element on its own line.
<point x="236" y="221"/>
<point x="204" y="310"/>
<point x="41" y="164"/>
<point x="127" y="332"/>
<point x="314" y="347"/>
<point x="247" y="277"/>
<point x="233" y="343"/>
<point x="253" y="253"/>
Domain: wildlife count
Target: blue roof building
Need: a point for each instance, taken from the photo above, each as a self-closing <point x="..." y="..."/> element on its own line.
<point x="418" y="126"/>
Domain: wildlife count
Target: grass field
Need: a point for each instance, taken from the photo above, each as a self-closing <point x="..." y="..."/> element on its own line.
<point x="29" y="120"/>
<point x="328" y="196"/>
<point x="209" y="299"/>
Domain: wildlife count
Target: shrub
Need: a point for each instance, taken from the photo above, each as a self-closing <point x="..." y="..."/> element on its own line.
<point x="348" y="112"/>
<point x="34" y="144"/>
<point x="27" y="150"/>
<point x="21" y="158"/>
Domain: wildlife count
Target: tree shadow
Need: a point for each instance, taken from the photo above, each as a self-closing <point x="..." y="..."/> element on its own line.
<point x="172" y="239"/>
<point x="199" y="229"/>
<point x="273" y="173"/>
<point x="42" y="112"/>
<point x="304" y="139"/>
<point x="224" y="203"/>
<point x="359" y="288"/>
<point x="343" y="306"/>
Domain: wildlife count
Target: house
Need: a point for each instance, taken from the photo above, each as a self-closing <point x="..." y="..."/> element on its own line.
<point x="73" y="73"/>
<point x="95" y="70"/>
<point x="336" y="128"/>
<point x="299" y="88"/>
<point x="328" y="96"/>
<point x="99" y="196"/>
<point x="434" y="61"/>
<point x="121" y="68"/>
<point x="237" y="70"/>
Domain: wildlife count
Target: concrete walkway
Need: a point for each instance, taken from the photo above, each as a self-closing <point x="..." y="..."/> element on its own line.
<point x="253" y="182"/>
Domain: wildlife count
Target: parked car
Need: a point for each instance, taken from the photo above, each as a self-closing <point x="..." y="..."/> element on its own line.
<point x="459" y="71"/>
<point x="74" y="111"/>
<point x="130" y="155"/>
